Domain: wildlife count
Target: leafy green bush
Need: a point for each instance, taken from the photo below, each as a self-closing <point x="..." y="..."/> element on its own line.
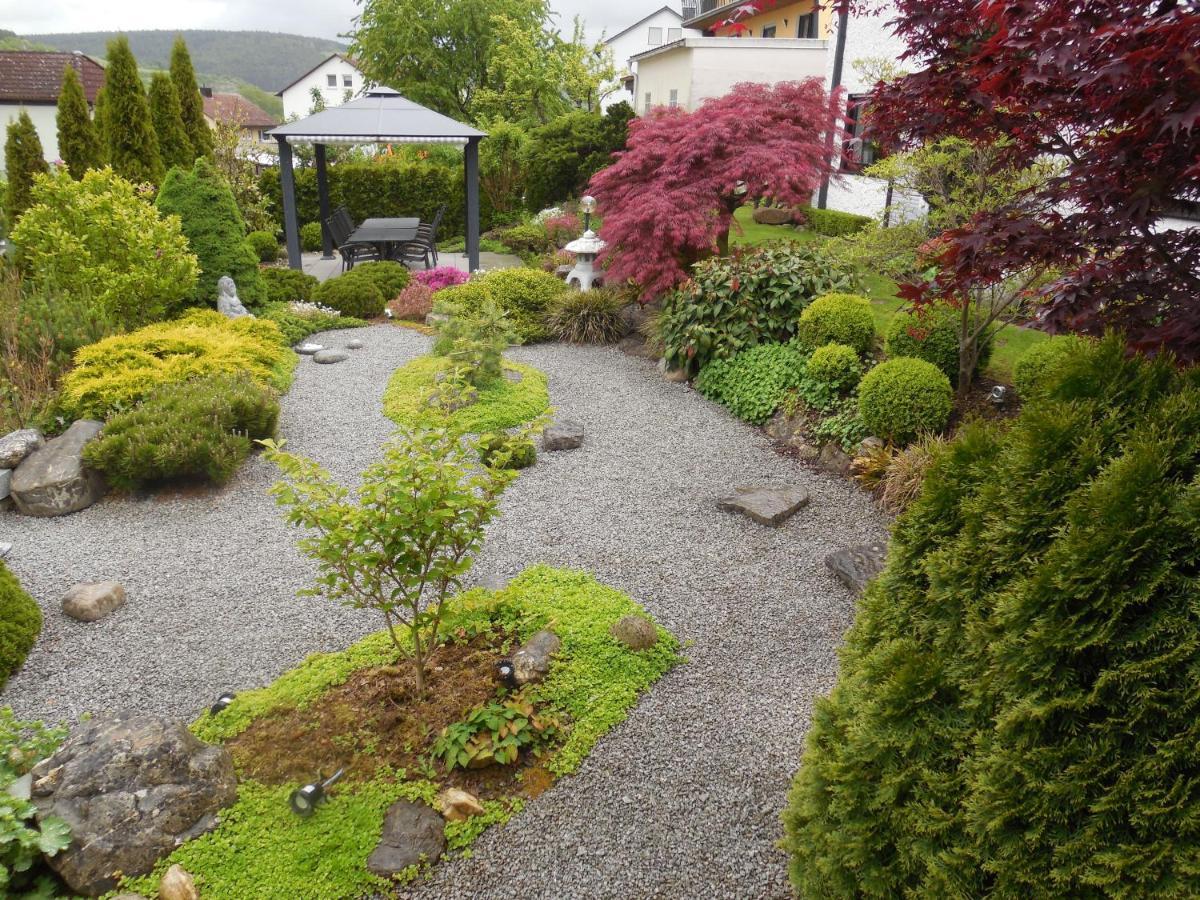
<point x="831" y="372"/>
<point x="528" y="240"/>
<point x="117" y="372"/>
<point x="98" y="238"/>
<point x="837" y="319"/>
<point x="904" y="397"/>
<point x="390" y="277"/>
<point x="755" y="296"/>
<point x="360" y="297"/>
<point x="932" y="335"/>
<point x="193" y="430"/>
<point x="20" y="622"/>
<point x="286" y="285"/>
<point x="297" y="320"/>
<point x="1033" y="372"/>
<point x="310" y="237"/>
<point x="890" y="251"/>
<point x="589" y="317"/>
<point x="501" y="448"/>
<point x="496" y="732"/>
<point x="264" y="245"/>
<point x="844" y="427"/>
<point x="215" y="231"/>
<point x="832" y="223"/>
<point x="526" y="295"/>
<point x="23" y="840"/>
<point x="752" y="383"/>
<point x="1016" y="711"/>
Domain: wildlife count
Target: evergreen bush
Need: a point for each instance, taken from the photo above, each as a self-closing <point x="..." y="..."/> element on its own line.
<point x="1035" y="368"/>
<point x="390" y="277"/>
<point x="310" y="237"/>
<point x="132" y="144"/>
<point x="837" y="319"/>
<point x="78" y="144"/>
<point x="264" y="245"/>
<point x="296" y="320"/>
<point x="832" y="223"/>
<point x="902" y="398"/>
<point x="358" y="297"/>
<point x="752" y="383"/>
<point x="1016" y="712"/>
<point x="23" y="161"/>
<point x="932" y="335"/>
<point x="286" y="285"/>
<point x="215" y="230"/>
<point x="191" y="104"/>
<point x="20" y="623"/>
<point x="167" y="117"/>
<point x="831" y="373"/>
<point x="525" y="295"/>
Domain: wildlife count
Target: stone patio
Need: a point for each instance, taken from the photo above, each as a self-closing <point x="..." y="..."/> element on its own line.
<point x="323" y="269"/>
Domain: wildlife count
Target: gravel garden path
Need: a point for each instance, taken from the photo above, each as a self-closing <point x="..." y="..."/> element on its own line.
<point x="683" y="799"/>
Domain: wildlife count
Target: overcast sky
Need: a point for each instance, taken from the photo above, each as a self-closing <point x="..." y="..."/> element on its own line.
<point x="319" y="18"/>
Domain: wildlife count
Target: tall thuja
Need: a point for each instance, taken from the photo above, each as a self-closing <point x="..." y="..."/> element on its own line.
<point x="1018" y="709"/>
<point x="165" y="113"/>
<point x="77" y="142"/>
<point x="100" y="124"/>
<point x="191" y="104"/>
<point x="23" y="159"/>
<point x="132" y="144"/>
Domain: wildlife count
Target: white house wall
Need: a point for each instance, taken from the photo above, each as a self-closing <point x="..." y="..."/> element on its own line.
<point x="637" y="40"/>
<point x="45" y="120"/>
<point x="297" y="98"/>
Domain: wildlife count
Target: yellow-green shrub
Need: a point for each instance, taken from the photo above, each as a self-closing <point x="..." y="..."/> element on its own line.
<point x="837" y="319"/>
<point x="117" y="372"/>
<point x="904" y="397"/>
<point x="525" y="294"/>
<point x="20" y="622"/>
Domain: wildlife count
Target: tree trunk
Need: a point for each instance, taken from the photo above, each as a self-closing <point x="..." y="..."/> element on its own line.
<point x="723" y="243"/>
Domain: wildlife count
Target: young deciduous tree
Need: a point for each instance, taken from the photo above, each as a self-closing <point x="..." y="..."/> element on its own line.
<point x="669" y="199"/>
<point x="191" y="104"/>
<point x="501" y="175"/>
<point x="132" y="143"/>
<point x="77" y="142"/>
<point x="1108" y="86"/>
<point x="165" y="113"/>
<point x="23" y="159"/>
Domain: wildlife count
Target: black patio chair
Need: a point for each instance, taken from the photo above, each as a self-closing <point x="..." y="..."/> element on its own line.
<point x="341" y="226"/>
<point x="424" y="247"/>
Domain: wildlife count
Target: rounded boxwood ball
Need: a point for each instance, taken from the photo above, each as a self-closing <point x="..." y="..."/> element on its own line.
<point x="358" y="297"/>
<point x="931" y="335"/>
<point x="20" y="622"/>
<point x="835" y="365"/>
<point x="837" y="319"/>
<point x="904" y="397"/>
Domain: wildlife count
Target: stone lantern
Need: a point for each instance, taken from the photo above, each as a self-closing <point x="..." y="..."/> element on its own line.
<point x="585" y="247"/>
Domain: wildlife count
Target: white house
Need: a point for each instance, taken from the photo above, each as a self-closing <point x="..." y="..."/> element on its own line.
<point x="31" y="80"/>
<point x="662" y="27"/>
<point x="335" y="80"/>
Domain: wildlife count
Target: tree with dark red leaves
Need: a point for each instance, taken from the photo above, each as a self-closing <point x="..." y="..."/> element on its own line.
<point x="1112" y="88"/>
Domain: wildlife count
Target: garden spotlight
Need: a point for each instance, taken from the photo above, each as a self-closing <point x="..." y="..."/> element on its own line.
<point x="998" y="395"/>
<point x="223" y="701"/>
<point x="304" y="800"/>
<point x="505" y="672"/>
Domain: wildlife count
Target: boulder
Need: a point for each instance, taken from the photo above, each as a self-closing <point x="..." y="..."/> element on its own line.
<point x="412" y="833"/>
<point x="329" y="357"/>
<point x="354" y="344"/>
<point x="793" y="432"/>
<point x="834" y="459"/>
<point x="635" y="344"/>
<point x="307" y="349"/>
<point x="5" y="483"/>
<point x="16" y="445"/>
<point x="178" y="884"/>
<point x="563" y="435"/>
<point x="773" y="215"/>
<point x="856" y="566"/>
<point x="53" y="481"/>
<point x="458" y="806"/>
<point x="228" y="303"/>
<point x="677" y="376"/>
<point x="93" y="600"/>
<point x="634" y="632"/>
<point x="132" y="788"/>
<point x="771" y="506"/>
<point x="531" y="662"/>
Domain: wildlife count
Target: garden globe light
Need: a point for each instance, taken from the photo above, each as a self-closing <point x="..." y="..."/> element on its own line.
<point x="588" y="205"/>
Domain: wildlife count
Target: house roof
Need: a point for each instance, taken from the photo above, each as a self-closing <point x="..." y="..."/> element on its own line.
<point x="380" y="116"/>
<point x="35" y="76"/>
<point x="644" y="19"/>
<point x="341" y="56"/>
<point x="237" y="109"/>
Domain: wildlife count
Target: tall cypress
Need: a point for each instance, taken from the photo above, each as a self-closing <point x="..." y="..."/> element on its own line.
<point x="190" y="102"/>
<point x="100" y="125"/>
<point x="78" y="144"/>
<point x="173" y="143"/>
<point x="23" y="159"/>
<point x="132" y="144"/>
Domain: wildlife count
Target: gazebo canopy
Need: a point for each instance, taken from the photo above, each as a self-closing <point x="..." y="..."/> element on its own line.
<point x="381" y="116"/>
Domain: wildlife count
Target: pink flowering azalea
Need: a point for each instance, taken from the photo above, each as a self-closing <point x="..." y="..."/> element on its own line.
<point x="441" y="277"/>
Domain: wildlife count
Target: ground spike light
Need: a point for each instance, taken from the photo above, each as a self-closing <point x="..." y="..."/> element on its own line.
<point x="222" y="701"/>
<point x="304" y="800"/>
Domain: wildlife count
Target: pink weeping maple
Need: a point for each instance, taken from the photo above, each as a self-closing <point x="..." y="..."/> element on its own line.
<point x="669" y="198"/>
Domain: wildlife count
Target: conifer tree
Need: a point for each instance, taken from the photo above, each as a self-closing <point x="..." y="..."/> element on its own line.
<point x="132" y="144"/>
<point x="100" y="124"/>
<point x="78" y="145"/>
<point x="173" y="144"/>
<point x="190" y="103"/>
<point x="23" y="159"/>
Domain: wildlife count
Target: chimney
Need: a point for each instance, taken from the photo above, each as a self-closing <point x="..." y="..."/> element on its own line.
<point x="205" y="91"/>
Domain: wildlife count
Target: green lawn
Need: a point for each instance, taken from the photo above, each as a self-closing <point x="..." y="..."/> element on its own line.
<point x="752" y="233"/>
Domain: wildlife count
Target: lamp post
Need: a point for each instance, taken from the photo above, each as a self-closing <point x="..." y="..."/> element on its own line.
<point x="585" y="247"/>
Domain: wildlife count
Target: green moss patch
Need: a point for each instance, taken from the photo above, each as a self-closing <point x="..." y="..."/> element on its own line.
<point x="504" y="404"/>
<point x="261" y="845"/>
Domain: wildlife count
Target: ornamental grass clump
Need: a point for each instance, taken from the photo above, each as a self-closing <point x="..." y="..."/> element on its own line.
<point x="589" y="317"/>
<point x="1016" y="712"/>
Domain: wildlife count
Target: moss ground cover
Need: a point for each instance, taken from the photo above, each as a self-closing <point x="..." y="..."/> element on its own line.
<point x="591" y="686"/>
<point x="503" y="404"/>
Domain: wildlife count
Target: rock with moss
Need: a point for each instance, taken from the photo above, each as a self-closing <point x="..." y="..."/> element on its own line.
<point x="635" y="632"/>
<point x="412" y="834"/>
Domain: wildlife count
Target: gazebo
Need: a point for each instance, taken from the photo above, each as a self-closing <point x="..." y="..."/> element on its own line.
<point x="380" y="116"/>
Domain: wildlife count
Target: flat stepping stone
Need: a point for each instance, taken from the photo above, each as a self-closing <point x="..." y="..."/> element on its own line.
<point x="856" y="566"/>
<point x="354" y="344"/>
<point x="328" y="357"/>
<point x="770" y="506"/>
<point x="308" y="349"/>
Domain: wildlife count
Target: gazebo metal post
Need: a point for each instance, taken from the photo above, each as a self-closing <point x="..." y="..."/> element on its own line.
<point x="323" y="198"/>
<point x="287" y="187"/>
<point x="471" y="173"/>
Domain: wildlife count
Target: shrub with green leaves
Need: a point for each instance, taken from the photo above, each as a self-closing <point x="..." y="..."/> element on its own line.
<point x="755" y="296"/>
<point x="832" y="222"/>
<point x="100" y="238"/>
<point x="296" y="320"/>
<point x="1016" y="712"/>
<point x="932" y="335"/>
<point x="359" y="297"/>
<point x="196" y="430"/>
<point x="24" y="840"/>
<point x="526" y="295"/>
<point x="832" y="371"/>
<point x="20" y="624"/>
<point x="514" y="451"/>
<point x="495" y="732"/>
<point x="843" y="427"/>
<point x="215" y="231"/>
<point x="390" y="277"/>
<point x="589" y="317"/>
<point x="528" y="241"/>
<point x="753" y="383"/>
<point x="265" y="247"/>
<point x="1034" y="371"/>
<point x="902" y="398"/>
<point x="310" y="237"/>
<point x="837" y="319"/>
<point x="285" y="285"/>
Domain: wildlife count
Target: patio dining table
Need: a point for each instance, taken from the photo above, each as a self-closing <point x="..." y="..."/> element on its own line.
<point x="387" y="234"/>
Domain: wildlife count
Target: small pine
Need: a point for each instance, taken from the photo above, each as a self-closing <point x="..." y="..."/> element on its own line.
<point x="132" y="143"/>
<point x="191" y="104"/>
<point x="23" y="159"/>
<point x="77" y="142"/>
<point x="165" y="112"/>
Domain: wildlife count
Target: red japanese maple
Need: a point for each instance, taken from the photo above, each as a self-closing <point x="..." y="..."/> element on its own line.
<point x="669" y="198"/>
<point x="1112" y="88"/>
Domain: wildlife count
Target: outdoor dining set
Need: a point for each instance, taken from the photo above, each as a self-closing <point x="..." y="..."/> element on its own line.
<point x="406" y="240"/>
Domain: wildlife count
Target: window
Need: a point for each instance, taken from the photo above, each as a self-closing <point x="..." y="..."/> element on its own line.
<point x="655" y="38"/>
<point x="674" y="34"/>
<point x="348" y="81"/>
<point x="768" y="31"/>
<point x="859" y="151"/>
<point x="647" y="106"/>
<point x="674" y="101"/>
<point x="331" y="80"/>
<point x="808" y="26"/>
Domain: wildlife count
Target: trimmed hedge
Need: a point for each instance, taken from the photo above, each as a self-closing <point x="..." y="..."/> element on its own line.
<point x="310" y="237"/>
<point x="359" y="297"/>
<point x="285" y="285"/>
<point x="20" y="624"/>
<point x="837" y="319"/>
<point x="932" y="336"/>
<point x="526" y="295"/>
<point x="1035" y="369"/>
<point x="832" y="223"/>
<point x="753" y="383"/>
<point x="904" y="397"/>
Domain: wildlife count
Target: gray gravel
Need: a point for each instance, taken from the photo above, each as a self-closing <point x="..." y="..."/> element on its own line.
<point x="683" y="799"/>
